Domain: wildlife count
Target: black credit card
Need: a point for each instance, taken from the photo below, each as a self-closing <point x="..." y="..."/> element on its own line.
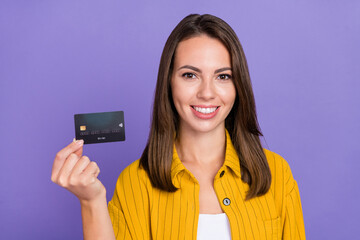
<point x="100" y="127"/>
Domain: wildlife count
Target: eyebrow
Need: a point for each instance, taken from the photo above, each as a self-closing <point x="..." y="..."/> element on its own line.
<point x="199" y="71"/>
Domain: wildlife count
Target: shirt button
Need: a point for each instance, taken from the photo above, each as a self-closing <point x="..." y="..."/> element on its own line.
<point x="222" y="173"/>
<point x="226" y="201"/>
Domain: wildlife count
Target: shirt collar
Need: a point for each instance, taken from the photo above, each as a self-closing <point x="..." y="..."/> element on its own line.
<point x="231" y="160"/>
<point x="176" y="167"/>
<point x="231" y="157"/>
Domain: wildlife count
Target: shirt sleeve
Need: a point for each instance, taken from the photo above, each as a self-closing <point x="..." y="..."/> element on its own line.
<point x="128" y="208"/>
<point x="293" y="226"/>
<point x="120" y="227"/>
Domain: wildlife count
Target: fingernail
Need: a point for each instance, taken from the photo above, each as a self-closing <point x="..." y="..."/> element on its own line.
<point x="74" y="140"/>
<point x="80" y="142"/>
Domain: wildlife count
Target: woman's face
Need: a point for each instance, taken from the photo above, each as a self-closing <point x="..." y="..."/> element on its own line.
<point x="202" y="87"/>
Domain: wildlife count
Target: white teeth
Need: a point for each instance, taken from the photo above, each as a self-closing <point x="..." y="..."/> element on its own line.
<point x="205" y="110"/>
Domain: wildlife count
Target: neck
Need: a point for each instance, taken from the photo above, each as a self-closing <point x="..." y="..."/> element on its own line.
<point x="201" y="148"/>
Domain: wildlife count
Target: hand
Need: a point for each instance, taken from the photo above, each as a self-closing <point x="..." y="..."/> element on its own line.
<point x="77" y="173"/>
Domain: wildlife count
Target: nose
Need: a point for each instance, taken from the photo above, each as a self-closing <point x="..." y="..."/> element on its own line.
<point x="206" y="89"/>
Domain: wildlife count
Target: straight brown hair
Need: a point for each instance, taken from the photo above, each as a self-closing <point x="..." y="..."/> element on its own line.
<point x="241" y="122"/>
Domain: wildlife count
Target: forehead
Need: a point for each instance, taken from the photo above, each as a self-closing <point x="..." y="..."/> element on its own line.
<point x="202" y="50"/>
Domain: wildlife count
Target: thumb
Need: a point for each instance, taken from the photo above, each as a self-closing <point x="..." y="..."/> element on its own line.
<point x="79" y="151"/>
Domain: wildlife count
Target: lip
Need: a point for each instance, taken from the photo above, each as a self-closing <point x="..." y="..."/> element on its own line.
<point x="205" y="106"/>
<point x="203" y="115"/>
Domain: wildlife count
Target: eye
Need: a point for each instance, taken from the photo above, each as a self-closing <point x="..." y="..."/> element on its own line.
<point x="224" y="76"/>
<point x="188" y="75"/>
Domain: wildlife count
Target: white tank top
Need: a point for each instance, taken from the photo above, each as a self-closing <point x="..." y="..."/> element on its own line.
<point x="213" y="226"/>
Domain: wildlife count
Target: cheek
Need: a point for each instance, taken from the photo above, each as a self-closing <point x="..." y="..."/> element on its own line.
<point x="228" y="95"/>
<point x="181" y="93"/>
<point x="177" y="96"/>
<point x="232" y="96"/>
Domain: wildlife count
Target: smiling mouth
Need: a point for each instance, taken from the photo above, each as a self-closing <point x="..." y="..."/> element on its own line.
<point x="203" y="110"/>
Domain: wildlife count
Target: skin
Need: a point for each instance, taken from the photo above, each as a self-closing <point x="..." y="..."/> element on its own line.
<point x="202" y="77"/>
<point x="201" y="145"/>
<point x="76" y="173"/>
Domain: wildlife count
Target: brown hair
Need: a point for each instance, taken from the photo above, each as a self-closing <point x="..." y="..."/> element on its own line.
<point x="241" y="122"/>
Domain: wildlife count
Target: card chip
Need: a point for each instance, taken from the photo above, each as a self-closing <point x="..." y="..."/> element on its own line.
<point x="82" y="128"/>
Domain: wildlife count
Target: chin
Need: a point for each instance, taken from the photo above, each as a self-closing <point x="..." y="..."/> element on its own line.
<point x="206" y="128"/>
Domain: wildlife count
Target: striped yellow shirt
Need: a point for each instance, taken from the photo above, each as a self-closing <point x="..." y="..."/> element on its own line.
<point x="139" y="211"/>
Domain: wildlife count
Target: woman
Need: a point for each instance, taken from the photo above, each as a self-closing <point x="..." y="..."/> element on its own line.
<point x="203" y="173"/>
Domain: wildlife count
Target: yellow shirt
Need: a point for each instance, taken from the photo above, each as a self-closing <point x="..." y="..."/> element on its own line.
<point x="139" y="211"/>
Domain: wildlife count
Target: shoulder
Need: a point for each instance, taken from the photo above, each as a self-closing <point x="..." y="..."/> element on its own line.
<point x="276" y="161"/>
<point x="132" y="184"/>
<point x="129" y="206"/>
<point x="280" y="171"/>
<point x="133" y="174"/>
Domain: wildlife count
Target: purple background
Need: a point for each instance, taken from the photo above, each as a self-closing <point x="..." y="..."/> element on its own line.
<point x="58" y="58"/>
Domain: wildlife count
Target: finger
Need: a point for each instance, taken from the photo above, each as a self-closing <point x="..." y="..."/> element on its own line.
<point x="88" y="175"/>
<point x="97" y="172"/>
<point x="79" y="151"/>
<point x="91" y="170"/>
<point x="80" y="165"/>
<point x="62" y="155"/>
<point x="67" y="168"/>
